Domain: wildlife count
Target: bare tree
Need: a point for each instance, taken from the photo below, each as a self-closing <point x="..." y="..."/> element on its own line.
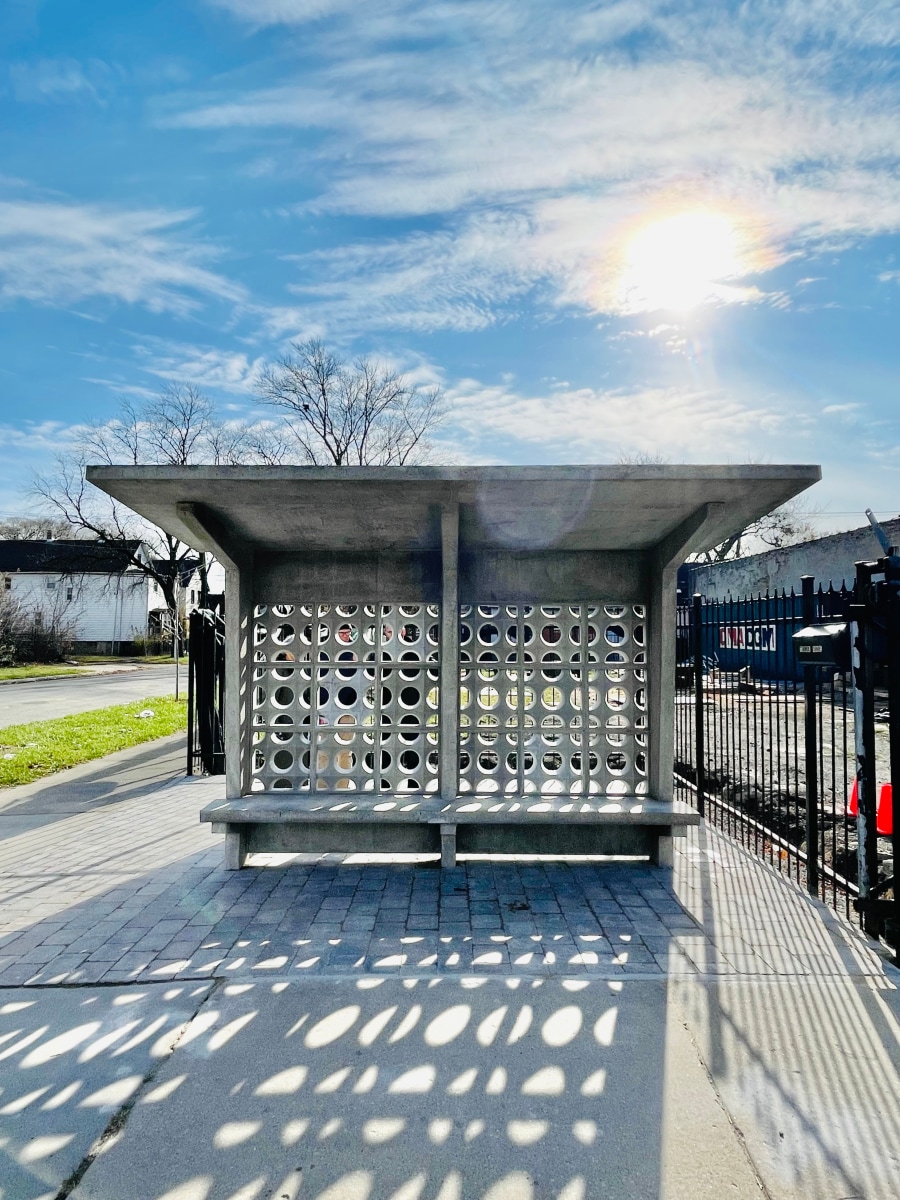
<point x="351" y="415"/>
<point x="177" y="428"/>
<point x="35" y="528"/>
<point x="785" y="526"/>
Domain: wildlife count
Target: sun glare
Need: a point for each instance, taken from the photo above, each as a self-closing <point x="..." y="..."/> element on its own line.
<point x="682" y="261"/>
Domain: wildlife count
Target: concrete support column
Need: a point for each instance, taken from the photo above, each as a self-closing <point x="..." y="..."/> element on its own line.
<point x="238" y="634"/>
<point x="660" y="625"/>
<point x="449" y="700"/>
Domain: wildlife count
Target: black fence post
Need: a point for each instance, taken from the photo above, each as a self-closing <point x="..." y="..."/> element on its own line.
<point x="892" y="604"/>
<point x="699" y="718"/>
<point x="192" y="651"/>
<point x="811" y="748"/>
<point x="864" y="732"/>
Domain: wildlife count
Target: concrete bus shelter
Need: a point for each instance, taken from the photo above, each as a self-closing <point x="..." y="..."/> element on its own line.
<point x="473" y="659"/>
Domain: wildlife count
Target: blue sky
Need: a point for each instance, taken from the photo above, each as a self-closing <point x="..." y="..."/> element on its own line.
<point x="605" y="228"/>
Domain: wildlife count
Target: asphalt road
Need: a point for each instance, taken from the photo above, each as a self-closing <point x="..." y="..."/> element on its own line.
<point x="43" y="699"/>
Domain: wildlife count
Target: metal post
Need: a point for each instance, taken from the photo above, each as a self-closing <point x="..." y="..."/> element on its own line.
<point x="892" y="604"/>
<point x="699" y="730"/>
<point x="811" y="749"/>
<point x="192" y="650"/>
<point x="864" y="736"/>
<point x="176" y="630"/>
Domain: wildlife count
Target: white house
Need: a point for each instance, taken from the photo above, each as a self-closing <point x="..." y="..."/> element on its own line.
<point x="91" y="584"/>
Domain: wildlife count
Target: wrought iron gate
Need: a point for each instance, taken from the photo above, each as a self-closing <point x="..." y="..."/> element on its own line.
<point x="206" y="693"/>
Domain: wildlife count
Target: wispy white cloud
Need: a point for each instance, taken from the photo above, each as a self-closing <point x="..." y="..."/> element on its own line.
<point x="208" y="367"/>
<point x="62" y="80"/>
<point x="56" y="252"/>
<point x="682" y="423"/>
<point x="544" y="143"/>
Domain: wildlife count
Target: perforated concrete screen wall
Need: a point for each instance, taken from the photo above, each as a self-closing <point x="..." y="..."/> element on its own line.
<point x="345" y="697"/>
<point x="583" y="678"/>
<point x="551" y="699"/>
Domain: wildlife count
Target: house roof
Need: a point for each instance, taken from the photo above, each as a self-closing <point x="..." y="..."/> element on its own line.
<point x="67" y="557"/>
<point x="186" y="568"/>
<point x="391" y="509"/>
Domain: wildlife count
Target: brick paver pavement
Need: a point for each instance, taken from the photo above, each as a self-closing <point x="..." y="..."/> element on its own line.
<point x="136" y="890"/>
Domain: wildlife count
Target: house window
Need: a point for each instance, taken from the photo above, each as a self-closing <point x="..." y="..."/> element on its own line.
<point x="51" y="585"/>
<point x="7" y="583"/>
<point x="69" y="592"/>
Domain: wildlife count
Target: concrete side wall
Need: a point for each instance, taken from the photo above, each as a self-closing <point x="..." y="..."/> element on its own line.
<point x="619" y="576"/>
<point x="829" y="560"/>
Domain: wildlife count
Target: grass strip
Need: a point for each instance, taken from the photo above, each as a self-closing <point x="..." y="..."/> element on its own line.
<point x="39" y="671"/>
<point x="31" y="751"/>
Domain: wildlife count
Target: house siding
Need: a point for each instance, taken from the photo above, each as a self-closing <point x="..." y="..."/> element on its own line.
<point x="103" y="608"/>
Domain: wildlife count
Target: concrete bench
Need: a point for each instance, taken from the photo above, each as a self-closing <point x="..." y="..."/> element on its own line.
<point x="336" y="823"/>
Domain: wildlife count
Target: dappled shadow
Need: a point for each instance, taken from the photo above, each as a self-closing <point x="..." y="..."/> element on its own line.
<point x="808" y="1068"/>
<point x="416" y="1088"/>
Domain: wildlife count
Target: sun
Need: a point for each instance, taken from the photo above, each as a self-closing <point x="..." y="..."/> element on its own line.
<point x="682" y="261"/>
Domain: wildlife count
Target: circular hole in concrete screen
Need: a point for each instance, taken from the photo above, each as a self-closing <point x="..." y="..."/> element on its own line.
<point x="282" y="760"/>
<point x="488" y="697"/>
<point x="278" y="736"/>
<point x="488" y="635"/>
<point x="434" y="635"/>
<point x="346" y="610"/>
<point x="345" y="761"/>
<point x="551" y="730"/>
<point x="283" y="697"/>
<point x="616" y="739"/>
<point x="410" y="697"/>
<point x="552" y="762"/>
<point x="409" y="761"/>
<point x="616" y="697"/>
<point x="617" y="787"/>
<point x="347" y="634"/>
<point x="551" y="610"/>
<point x="410" y="610"/>
<point x="551" y="635"/>
<point x="616" y="763"/>
<point x="260" y="633"/>
<point x="616" y="675"/>
<point x="550" y="672"/>
<point x="638" y="635"/>
<point x="552" y="697"/>
<point x="346" y="697"/>
<point x="259" y="697"/>
<point x="640" y="610"/>
<point x="640" y="762"/>
<point x="488" y="610"/>
<point x="616" y="656"/>
<point x="433" y="761"/>
<point x="640" y="698"/>
<point x="512" y="761"/>
<point x="465" y="760"/>
<point x="410" y="633"/>
<point x="615" y="634"/>
<point x="488" y="761"/>
<point x="615" y="610"/>
<point x="432" y="697"/>
<point x="465" y="634"/>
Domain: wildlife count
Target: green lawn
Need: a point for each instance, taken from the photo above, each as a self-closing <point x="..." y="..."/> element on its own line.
<point x="28" y="752"/>
<point x="39" y="671"/>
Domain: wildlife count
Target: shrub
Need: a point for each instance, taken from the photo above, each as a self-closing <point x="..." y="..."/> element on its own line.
<point x="32" y="635"/>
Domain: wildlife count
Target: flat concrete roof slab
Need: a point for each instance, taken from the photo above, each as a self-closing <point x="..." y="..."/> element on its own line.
<point x="397" y="509"/>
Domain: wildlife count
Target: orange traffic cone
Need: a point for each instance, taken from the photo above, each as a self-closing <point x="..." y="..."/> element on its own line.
<point x="852" y="809"/>
<point x="884" y="821"/>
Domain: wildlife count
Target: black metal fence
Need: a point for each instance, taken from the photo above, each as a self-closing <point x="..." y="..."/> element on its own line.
<point x="206" y="693"/>
<point x="764" y="747"/>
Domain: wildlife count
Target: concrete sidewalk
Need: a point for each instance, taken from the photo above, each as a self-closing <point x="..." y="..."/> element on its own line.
<point x="337" y="1028"/>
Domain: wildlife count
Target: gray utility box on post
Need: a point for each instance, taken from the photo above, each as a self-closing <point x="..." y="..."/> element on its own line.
<point x="823" y="646"/>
